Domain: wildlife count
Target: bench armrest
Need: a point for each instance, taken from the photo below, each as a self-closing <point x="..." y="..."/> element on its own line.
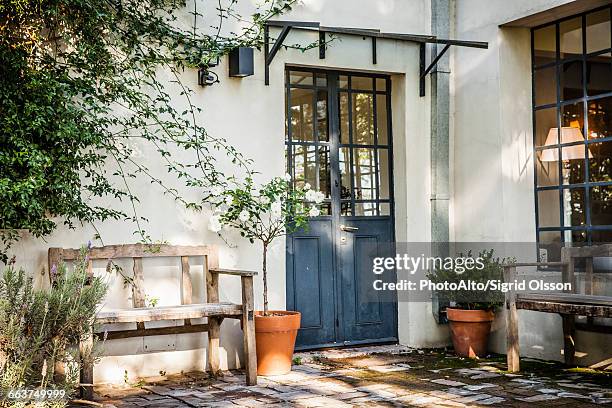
<point x="519" y="264"/>
<point x="235" y="272"/>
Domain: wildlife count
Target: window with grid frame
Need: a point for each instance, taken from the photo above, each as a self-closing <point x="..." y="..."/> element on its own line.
<point x="572" y="115"/>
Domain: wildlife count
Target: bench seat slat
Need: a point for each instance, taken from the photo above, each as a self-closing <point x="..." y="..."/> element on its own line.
<point x="148" y="314"/>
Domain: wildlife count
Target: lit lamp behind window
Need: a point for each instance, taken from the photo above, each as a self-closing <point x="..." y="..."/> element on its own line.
<point x="570" y="134"/>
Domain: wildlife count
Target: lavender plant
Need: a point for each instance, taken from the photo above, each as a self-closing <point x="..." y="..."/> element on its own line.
<point x="37" y="327"/>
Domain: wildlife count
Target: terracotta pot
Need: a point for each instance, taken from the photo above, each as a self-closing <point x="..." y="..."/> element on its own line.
<point x="275" y="337"/>
<point x="470" y="331"/>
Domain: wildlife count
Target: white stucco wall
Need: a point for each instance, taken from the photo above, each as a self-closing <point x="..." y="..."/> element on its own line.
<point x="493" y="198"/>
<point x="251" y="117"/>
<point x="491" y="169"/>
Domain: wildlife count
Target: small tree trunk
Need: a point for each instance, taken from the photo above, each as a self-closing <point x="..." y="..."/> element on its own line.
<point x="265" y="278"/>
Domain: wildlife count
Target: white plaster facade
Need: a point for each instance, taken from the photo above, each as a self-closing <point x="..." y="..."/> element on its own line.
<point x="491" y="168"/>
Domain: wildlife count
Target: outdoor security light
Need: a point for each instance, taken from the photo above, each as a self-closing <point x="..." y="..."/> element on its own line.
<point x="206" y="77"/>
<point x="241" y="62"/>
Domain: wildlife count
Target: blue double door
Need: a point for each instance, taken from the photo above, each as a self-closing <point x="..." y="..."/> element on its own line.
<point x="338" y="139"/>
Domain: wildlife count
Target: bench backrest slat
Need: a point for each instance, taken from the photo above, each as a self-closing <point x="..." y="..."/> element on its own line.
<point x="139" y="251"/>
<point x="134" y="250"/>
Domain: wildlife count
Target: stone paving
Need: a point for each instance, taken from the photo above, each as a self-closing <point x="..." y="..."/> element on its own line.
<point x="384" y="376"/>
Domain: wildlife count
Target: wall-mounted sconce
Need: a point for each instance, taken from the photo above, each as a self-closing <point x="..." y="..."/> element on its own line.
<point x="207" y="77"/>
<point x="241" y="62"/>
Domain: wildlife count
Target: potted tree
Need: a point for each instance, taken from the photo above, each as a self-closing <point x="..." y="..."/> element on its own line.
<point x="471" y="310"/>
<point x="264" y="213"/>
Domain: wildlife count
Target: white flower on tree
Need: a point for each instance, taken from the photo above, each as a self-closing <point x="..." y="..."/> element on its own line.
<point x="216" y="190"/>
<point x="315" y="196"/>
<point x="265" y="212"/>
<point x="276" y="209"/>
<point x="214" y="223"/>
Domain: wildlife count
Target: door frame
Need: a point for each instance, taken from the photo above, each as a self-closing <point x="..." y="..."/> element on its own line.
<point x="333" y="124"/>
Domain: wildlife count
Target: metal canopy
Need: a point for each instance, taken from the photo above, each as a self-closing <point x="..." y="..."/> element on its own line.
<point x="373" y="34"/>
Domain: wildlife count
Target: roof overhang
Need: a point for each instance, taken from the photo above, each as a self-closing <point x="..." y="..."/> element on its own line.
<point x="373" y="34"/>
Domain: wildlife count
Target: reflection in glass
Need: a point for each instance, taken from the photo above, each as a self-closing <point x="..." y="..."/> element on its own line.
<point x="344" y="118"/>
<point x="544" y="45"/>
<point x="545" y="86"/>
<point x="362" y="83"/>
<point x="548" y="208"/>
<point x="545" y="119"/>
<point x="600" y="164"/>
<point x="574" y="214"/>
<point x="577" y="236"/>
<point x="346" y="208"/>
<point x="549" y="246"/>
<point x="325" y="208"/>
<point x="345" y="173"/>
<point x="572" y="115"/>
<point x="365" y="209"/>
<point x="324" y="171"/>
<point x="547" y="171"/>
<point x="570" y="37"/>
<point x="601" y="237"/>
<point x="599" y="74"/>
<point x="381" y="84"/>
<point x="573" y="164"/>
<point x="363" y="118"/>
<point x="364" y="173"/>
<point x="321" y="79"/>
<point x="301" y="101"/>
<point x="343" y="81"/>
<point x="600" y="118"/>
<point x="304" y="165"/>
<point x="383" y="174"/>
<point x="598" y="30"/>
<point x="571" y="80"/>
<point x="322" y="116"/>
<point x="300" y="78"/>
<point x="381" y="119"/>
<point x="385" y="208"/>
<point x="601" y="205"/>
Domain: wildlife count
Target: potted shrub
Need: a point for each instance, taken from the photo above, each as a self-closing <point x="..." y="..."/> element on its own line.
<point x="264" y="213"/>
<point x="471" y="311"/>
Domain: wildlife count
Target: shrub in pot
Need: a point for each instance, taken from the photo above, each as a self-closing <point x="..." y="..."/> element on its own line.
<point x="471" y="311"/>
<point x="264" y="213"/>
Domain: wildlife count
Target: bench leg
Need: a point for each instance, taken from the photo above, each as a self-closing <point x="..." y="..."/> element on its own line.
<point x="86" y="369"/>
<point x="214" y="329"/>
<point x="248" y="330"/>
<point x="512" y="338"/>
<point x="512" y="332"/>
<point x="569" y="334"/>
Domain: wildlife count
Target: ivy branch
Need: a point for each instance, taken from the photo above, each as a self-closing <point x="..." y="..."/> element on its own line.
<point x="80" y="92"/>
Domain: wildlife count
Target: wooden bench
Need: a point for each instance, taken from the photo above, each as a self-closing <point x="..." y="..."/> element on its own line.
<point x="213" y="310"/>
<point x="568" y="304"/>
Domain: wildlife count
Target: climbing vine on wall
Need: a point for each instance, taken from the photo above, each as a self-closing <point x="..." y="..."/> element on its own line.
<point x="80" y="84"/>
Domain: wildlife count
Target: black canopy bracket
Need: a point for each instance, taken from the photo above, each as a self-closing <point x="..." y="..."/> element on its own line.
<point x="373" y="34"/>
<point x="321" y="44"/>
<point x="431" y="66"/>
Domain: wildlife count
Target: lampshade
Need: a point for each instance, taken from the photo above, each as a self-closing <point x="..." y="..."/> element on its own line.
<point x="568" y="135"/>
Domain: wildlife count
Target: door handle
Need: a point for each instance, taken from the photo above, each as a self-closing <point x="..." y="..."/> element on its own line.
<point x="348" y="229"/>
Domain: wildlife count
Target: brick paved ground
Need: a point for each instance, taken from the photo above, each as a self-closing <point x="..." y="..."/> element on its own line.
<point x="376" y="376"/>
